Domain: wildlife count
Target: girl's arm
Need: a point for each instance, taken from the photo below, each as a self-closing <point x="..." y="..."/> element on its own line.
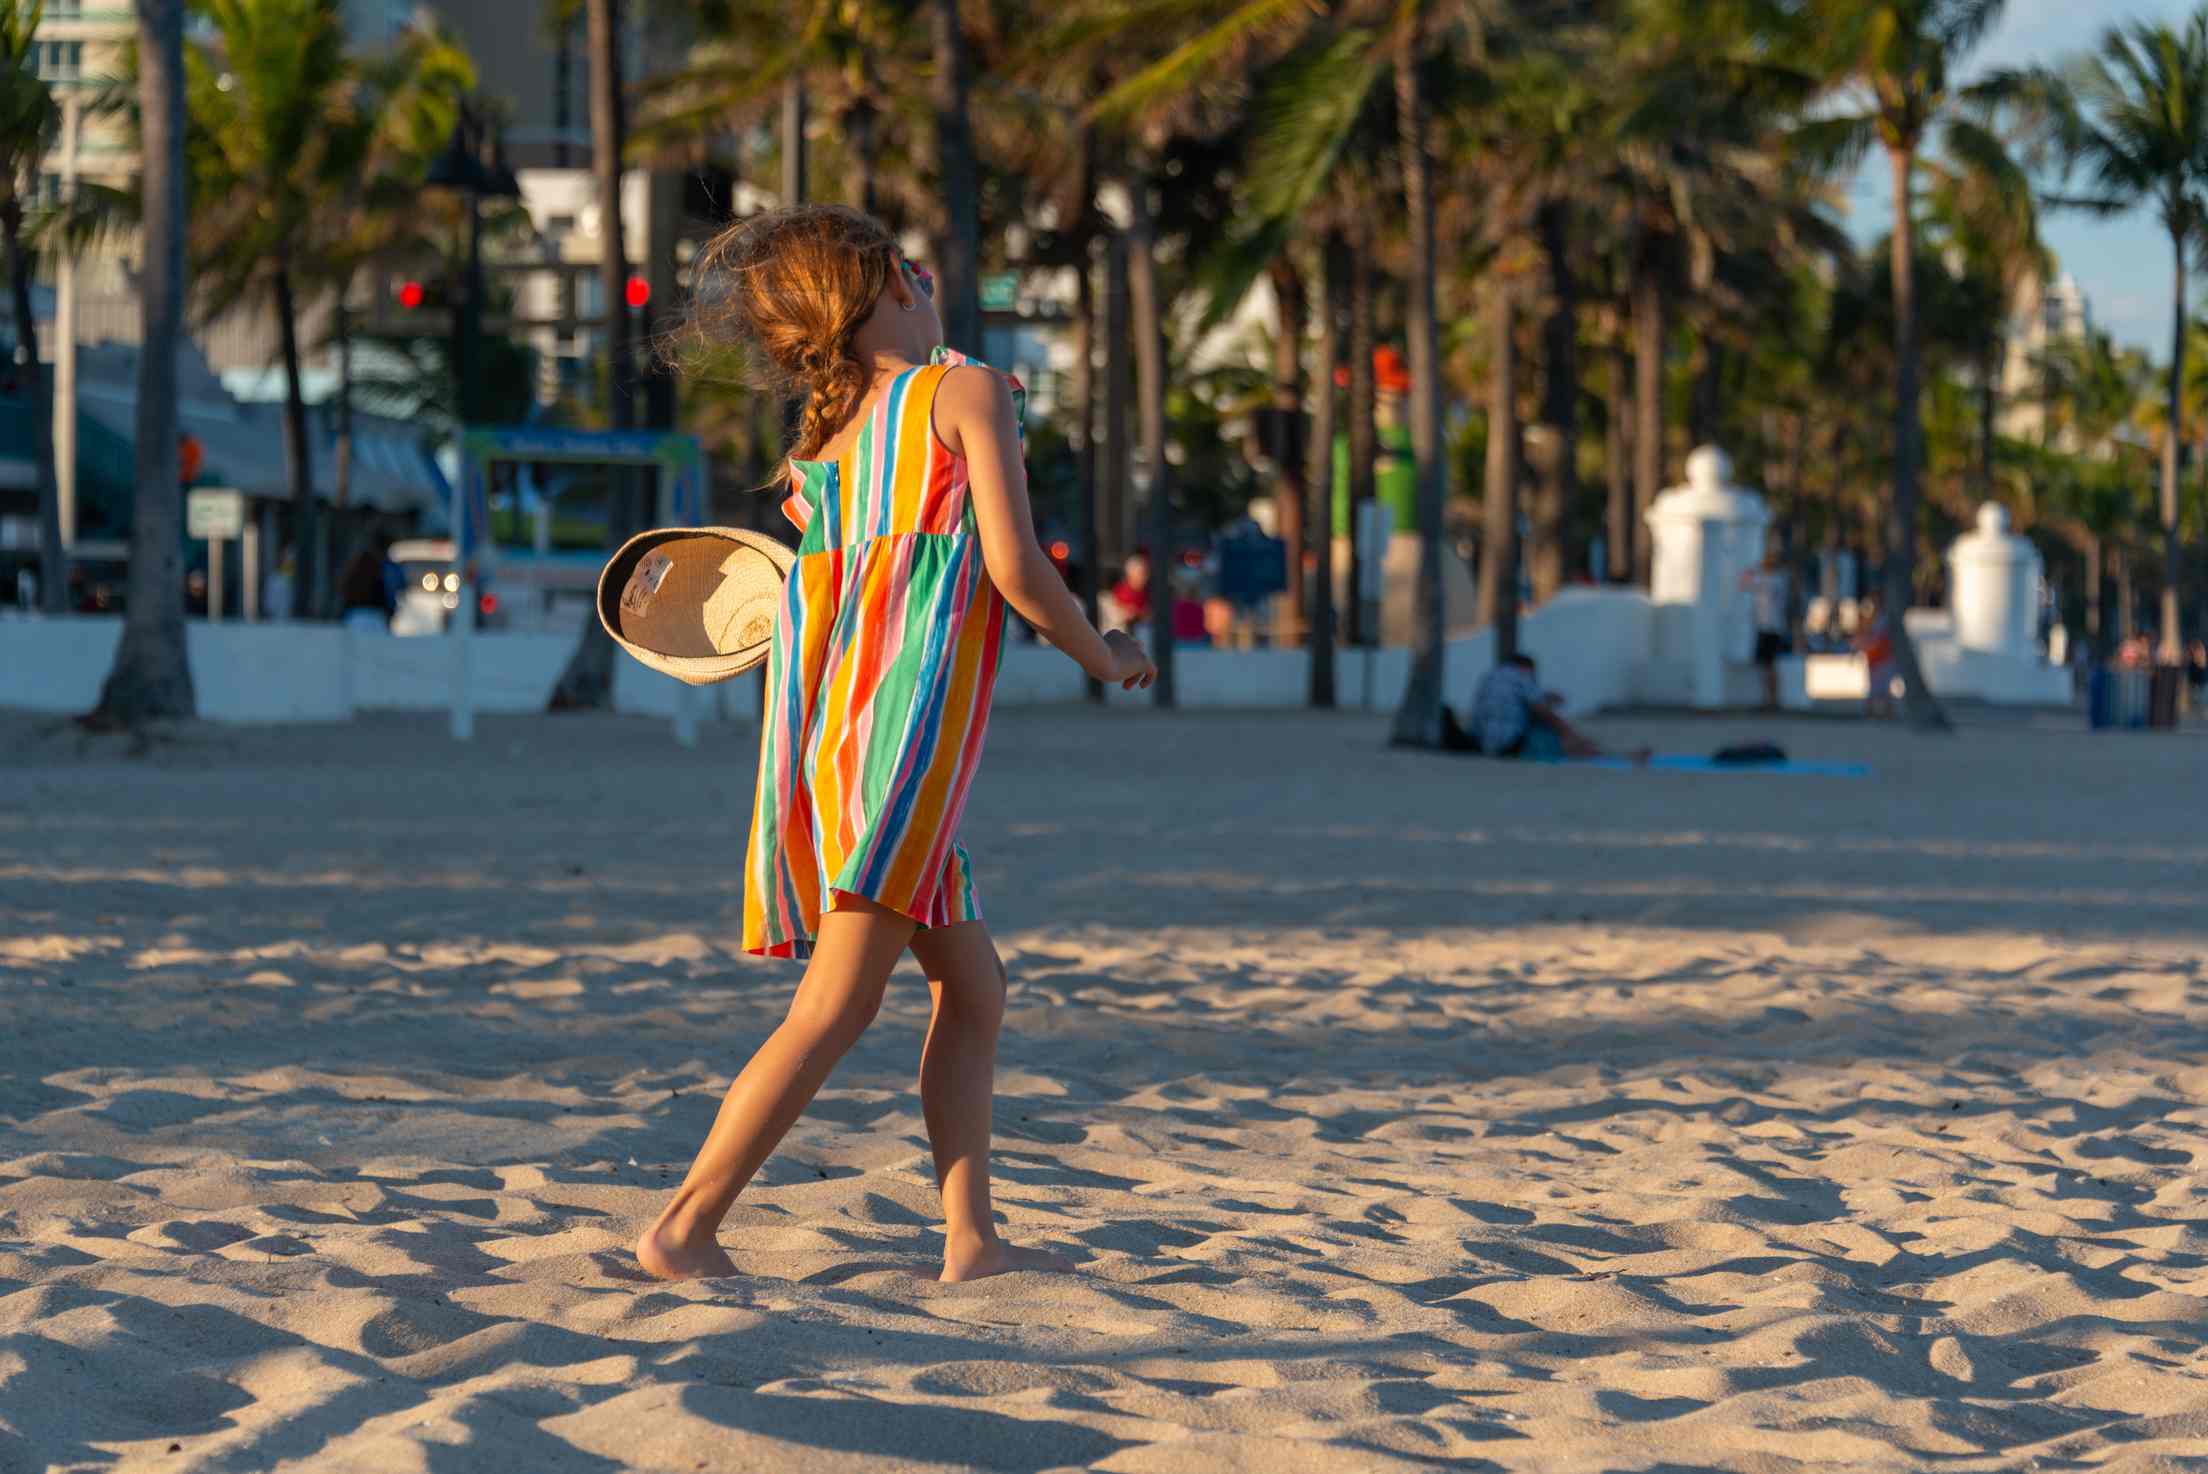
<point x="975" y="418"/>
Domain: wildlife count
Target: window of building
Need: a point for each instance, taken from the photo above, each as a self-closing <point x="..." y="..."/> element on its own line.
<point x="59" y="61"/>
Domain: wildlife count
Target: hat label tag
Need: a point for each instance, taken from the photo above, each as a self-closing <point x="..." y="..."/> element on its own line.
<point x="651" y="571"/>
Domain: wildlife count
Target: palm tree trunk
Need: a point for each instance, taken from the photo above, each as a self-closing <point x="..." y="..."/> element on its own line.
<point x="1115" y="508"/>
<point x="1918" y="703"/>
<point x="1648" y="408"/>
<point x="1499" y="535"/>
<point x="1083" y="395"/>
<point x="1149" y="333"/>
<point x="1418" y="717"/>
<point x="1364" y="430"/>
<point x="1319" y="524"/>
<point x="53" y="567"/>
<point x="152" y="675"/>
<point x="1618" y="519"/>
<point x="1294" y="306"/>
<point x="306" y="512"/>
<point x="793" y="137"/>
<point x="2127" y="597"/>
<point x="341" y="486"/>
<point x="1988" y="410"/>
<point x="2095" y="598"/>
<point x="587" y="682"/>
<point x="1706" y="415"/>
<point x="2173" y="559"/>
<point x="1558" y="443"/>
<point x="957" y="178"/>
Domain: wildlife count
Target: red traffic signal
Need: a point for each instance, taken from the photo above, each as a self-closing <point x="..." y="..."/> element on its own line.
<point x="639" y="292"/>
<point x="412" y="294"/>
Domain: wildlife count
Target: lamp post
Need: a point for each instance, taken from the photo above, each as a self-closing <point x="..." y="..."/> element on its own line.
<point x="473" y="166"/>
<point x="463" y="168"/>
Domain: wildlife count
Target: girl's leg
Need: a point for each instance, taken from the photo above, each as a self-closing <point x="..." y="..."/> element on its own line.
<point x="859" y="944"/>
<point x="958" y="1068"/>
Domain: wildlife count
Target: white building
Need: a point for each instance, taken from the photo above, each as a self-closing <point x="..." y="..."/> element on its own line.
<point x="2045" y="313"/>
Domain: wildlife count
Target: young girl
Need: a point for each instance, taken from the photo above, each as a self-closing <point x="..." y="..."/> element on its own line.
<point x="910" y="499"/>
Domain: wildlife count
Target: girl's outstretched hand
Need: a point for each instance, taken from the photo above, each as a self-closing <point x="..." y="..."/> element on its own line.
<point x="1131" y="665"/>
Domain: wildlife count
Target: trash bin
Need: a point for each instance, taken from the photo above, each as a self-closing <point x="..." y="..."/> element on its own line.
<point x="2120" y="699"/>
<point x="2165" y="696"/>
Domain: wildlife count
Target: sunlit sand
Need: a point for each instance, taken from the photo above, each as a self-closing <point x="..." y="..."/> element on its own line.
<point x="1400" y="1110"/>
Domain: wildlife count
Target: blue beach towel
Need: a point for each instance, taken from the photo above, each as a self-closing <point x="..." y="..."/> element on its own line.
<point x="1691" y="763"/>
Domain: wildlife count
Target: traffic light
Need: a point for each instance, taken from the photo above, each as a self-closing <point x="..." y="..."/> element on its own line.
<point x="639" y="293"/>
<point x="412" y="294"/>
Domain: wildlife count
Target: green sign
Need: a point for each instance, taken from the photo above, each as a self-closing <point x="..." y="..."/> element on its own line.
<point x="1000" y="291"/>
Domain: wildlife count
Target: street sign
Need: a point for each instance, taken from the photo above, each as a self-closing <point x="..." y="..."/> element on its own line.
<point x="214" y="512"/>
<point x="1000" y="291"/>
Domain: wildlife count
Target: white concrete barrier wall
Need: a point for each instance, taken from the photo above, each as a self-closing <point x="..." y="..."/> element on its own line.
<point x="56" y="665"/>
<point x="1597" y="647"/>
<point x="240" y="672"/>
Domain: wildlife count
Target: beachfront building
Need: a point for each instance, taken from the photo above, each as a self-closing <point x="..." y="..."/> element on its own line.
<point x="2045" y="313"/>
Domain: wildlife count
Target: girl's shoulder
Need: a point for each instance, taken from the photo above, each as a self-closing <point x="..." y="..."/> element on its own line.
<point x="980" y="391"/>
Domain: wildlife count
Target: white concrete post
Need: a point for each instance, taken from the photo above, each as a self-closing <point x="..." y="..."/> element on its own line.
<point x="1704" y="535"/>
<point x="1995" y="578"/>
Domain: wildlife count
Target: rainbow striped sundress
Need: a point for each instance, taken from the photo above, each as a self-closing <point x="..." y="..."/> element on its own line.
<point x="878" y="682"/>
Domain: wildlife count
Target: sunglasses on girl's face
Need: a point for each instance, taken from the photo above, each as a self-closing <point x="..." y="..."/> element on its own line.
<point x="922" y="278"/>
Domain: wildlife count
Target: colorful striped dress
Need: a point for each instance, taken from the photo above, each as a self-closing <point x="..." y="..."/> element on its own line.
<point x="878" y="682"/>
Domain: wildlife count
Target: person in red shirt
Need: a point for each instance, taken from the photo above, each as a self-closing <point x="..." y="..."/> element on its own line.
<point x="1132" y="592"/>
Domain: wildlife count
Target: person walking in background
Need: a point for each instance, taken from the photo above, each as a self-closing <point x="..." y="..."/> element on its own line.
<point x="1130" y="597"/>
<point x="910" y="498"/>
<point x="1770" y="589"/>
<point x="1874" y="640"/>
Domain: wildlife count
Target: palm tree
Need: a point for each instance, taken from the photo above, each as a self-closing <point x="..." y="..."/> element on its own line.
<point x="1418" y="716"/>
<point x="152" y="675"/>
<point x="1363" y="43"/>
<point x="2139" y="127"/>
<point x="587" y="682"/>
<point x="1988" y="218"/>
<point x="958" y="179"/>
<point x="29" y="120"/>
<point x="1893" y="61"/>
<point x="2091" y="393"/>
<point x="275" y="133"/>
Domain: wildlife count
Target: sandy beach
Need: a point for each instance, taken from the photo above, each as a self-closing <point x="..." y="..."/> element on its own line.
<point x="1402" y="1111"/>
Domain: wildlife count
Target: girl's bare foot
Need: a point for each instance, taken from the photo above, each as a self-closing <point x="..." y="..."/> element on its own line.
<point x="664" y="1255"/>
<point x="979" y="1260"/>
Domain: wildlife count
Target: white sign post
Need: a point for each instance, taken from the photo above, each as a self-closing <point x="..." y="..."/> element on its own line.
<point x="214" y="514"/>
<point x="249" y="567"/>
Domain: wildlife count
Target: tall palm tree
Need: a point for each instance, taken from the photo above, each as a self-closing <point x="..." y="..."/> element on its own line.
<point x="2139" y="128"/>
<point x="1895" y="62"/>
<point x="1987" y="214"/>
<point x="275" y="134"/>
<point x="152" y="675"/>
<point x="30" y="119"/>
<point x="587" y="682"/>
<point x="1418" y="716"/>
<point x="958" y="179"/>
<point x="1699" y="95"/>
<point x="1367" y="46"/>
<point x="2091" y="392"/>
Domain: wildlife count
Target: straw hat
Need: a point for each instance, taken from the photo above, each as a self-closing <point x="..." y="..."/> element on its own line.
<point x="697" y="603"/>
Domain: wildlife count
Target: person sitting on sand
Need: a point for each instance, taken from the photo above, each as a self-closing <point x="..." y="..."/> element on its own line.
<point x="1513" y="717"/>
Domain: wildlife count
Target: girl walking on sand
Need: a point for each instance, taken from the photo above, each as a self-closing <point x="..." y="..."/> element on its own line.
<point x="910" y="498"/>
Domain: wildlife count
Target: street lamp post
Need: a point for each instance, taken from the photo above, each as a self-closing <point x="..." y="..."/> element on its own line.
<point x="473" y="166"/>
<point x="464" y="168"/>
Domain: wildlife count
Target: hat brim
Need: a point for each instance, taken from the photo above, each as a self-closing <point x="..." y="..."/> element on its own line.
<point x="692" y="669"/>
